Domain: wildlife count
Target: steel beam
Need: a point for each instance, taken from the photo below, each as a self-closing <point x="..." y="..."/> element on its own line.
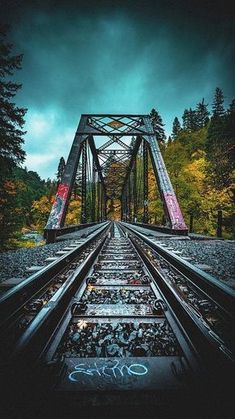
<point x="96" y="160"/>
<point x="170" y="203"/>
<point x="133" y="157"/>
<point x="145" y="182"/>
<point x="84" y="184"/>
<point x="93" y="214"/>
<point x="59" y="209"/>
<point x="134" y="192"/>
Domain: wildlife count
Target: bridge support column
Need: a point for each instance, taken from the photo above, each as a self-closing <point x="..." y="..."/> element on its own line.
<point x="84" y="188"/>
<point x="145" y="181"/>
<point x="172" y="209"/>
<point x="59" y="209"/>
<point x="93" y="201"/>
<point x="134" y="193"/>
<point x="98" y="201"/>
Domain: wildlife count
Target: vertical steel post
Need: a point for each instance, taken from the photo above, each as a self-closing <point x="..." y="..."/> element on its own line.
<point x="98" y="201"/>
<point x="105" y="206"/>
<point x="101" y="202"/>
<point x="145" y="181"/>
<point x="130" y="197"/>
<point x="127" y="202"/>
<point x="134" y="193"/>
<point x="84" y="188"/>
<point x="93" y="215"/>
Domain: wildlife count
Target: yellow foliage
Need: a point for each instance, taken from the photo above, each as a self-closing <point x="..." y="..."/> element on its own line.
<point x="74" y="212"/>
<point x="40" y="211"/>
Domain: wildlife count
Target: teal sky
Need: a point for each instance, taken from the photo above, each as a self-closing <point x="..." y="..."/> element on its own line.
<point x="114" y="57"/>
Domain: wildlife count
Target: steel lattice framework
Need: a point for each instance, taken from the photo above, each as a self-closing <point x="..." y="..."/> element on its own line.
<point x="137" y="130"/>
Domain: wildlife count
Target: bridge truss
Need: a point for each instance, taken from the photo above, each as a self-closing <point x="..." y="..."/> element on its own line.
<point x="117" y="142"/>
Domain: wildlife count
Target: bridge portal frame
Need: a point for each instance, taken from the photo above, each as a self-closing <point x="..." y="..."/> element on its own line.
<point x="115" y="126"/>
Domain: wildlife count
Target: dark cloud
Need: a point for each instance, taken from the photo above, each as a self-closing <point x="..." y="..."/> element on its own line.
<point x="116" y="56"/>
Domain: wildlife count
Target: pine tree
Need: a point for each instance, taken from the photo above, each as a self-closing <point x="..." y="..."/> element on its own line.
<point x="231" y="109"/>
<point x="186" y="119"/>
<point x="176" y="128"/>
<point x="218" y="104"/>
<point x="11" y="116"/>
<point x="158" y="125"/>
<point x="218" y="142"/>
<point x="202" y="114"/>
<point x="60" y="170"/>
<point x="230" y="136"/>
<point x="190" y="120"/>
<point x="11" y="138"/>
<point x="169" y="141"/>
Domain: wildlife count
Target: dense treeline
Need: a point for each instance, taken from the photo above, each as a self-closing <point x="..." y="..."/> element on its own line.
<point x="200" y="159"/>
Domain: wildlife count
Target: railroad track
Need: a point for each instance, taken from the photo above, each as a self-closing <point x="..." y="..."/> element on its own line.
<point x="118" y="332"/>
<point x="119" y="317"/>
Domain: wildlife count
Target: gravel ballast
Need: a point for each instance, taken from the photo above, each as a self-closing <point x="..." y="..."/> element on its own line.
<point x="14" y="263"/>
<point x="214" y="256"/>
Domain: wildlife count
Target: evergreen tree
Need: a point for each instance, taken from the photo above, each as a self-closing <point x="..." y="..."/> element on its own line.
<point x="60" y="170"/>
<point x="186" y="119"/>
<point x="231" y="109"/>
<point x="218" y="104"/>
<point x="158" y="125"/>
<point x="190" y="120"/>
<point x="11" y="138"/>
<point x="230" y="136"/>
<point x="176" y="128"/>
<point x="11" y="116"/>
<point x="219" y="141"/>
<point x="202" y="114"/>
<point x="169" y="141"/>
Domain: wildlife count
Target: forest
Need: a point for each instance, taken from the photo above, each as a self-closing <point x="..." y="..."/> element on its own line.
<point x="199" y="156"/>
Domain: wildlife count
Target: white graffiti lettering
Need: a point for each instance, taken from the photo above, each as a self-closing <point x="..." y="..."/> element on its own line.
<point x="113" y="371"/>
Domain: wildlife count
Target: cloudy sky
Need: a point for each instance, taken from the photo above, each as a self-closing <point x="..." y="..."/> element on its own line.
<point x="114" y="56"/>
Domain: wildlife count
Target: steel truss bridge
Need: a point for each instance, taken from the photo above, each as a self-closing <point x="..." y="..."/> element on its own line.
<point x="128" y="138"/>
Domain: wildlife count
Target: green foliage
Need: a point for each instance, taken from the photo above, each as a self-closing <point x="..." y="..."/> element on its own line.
<point x="202" y="114"/>
<point x="176" y="128"/>
<point x="200" y="162"/>
<point x="11" y="116"/>
<point x="158" y="125"/>
<point x="220" y="143"/>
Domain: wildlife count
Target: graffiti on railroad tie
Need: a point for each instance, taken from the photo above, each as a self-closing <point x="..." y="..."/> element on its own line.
<point x="115" y="371"/>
